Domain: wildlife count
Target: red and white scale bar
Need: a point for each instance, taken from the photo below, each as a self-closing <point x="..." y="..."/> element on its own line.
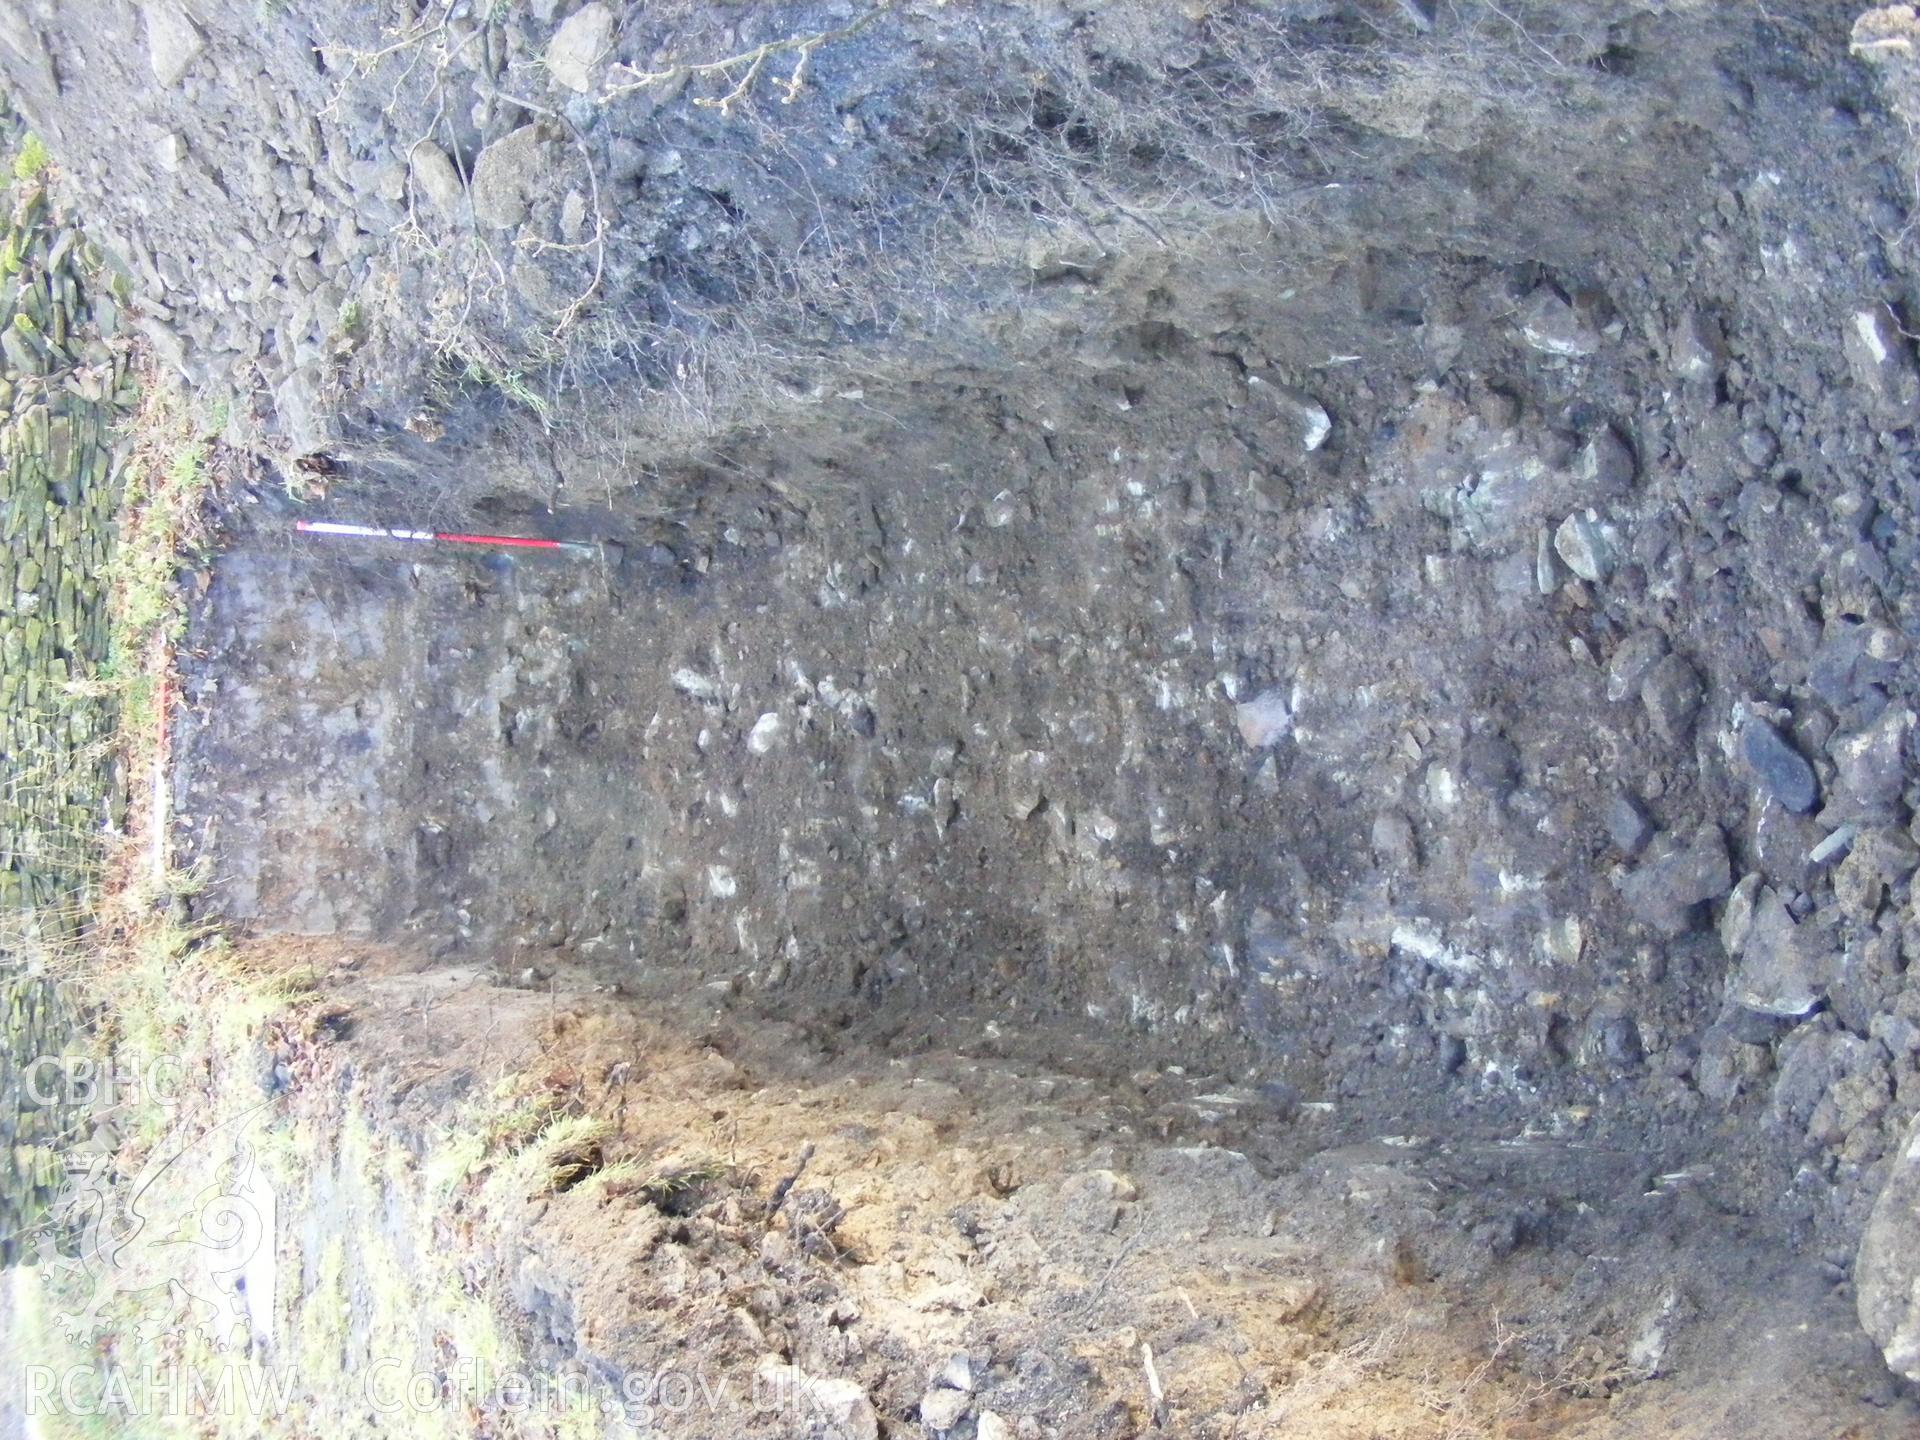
<point x="444" y="537"/>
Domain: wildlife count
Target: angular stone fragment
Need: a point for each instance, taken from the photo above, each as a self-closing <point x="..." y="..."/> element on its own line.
<point x="1264" y="719"/>
<point x="1783" y="968"/>
<point x="1853" y="655"/>
<point x="1783" y="772"/>
<point x="436" y="178"/>
<point x="766" y="733"/>
<point x="1672" y="693"/>
<point x="1880" y="861"/>
<point x="1881" y="359"/>
<point x="1552" y="326"/>
<point x="1394" y="845"/>
<point x="1546" y="565"/>
<point x="1638" y="654"/>
<point x="1871" y="763"/>
<point x="503" y="177"/>
<point x="578" y="45"/>
<point x="1583" y="543"/>
<point x="1306" y="416"/>
<point x="840" y="1405"/>
<point x="1627" y="825"/>
<point x="1886" y="1269"/>
<point x="941" y="1408"/>
<point x="1678" y="875"/>
<point x="1736" y="917"/>
<point x="1605" y="465"/>
<point x="1697" y="350"/>
<point x="174" y="42"/>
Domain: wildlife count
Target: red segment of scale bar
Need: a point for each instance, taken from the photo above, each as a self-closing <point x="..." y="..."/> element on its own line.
<point x="379" y="532"/>
<point x="518" y="541"/>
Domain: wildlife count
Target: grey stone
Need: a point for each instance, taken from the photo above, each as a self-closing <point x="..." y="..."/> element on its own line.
<point x="1620" y="1042"/>
<point x="165" y="342"/>
<point x="377" y="179"/>
<point x="170" y="151"/>
<point x="1672" y="693"/>
<point x="626" y="161"/>
<point x="1551" y="325"/>
<point x="1781" y="843"/>
<point x="1627" y="825"/>
<point x="1780" y="768"/>
<point x="1728" y="1068"/>
<point x="1583" y="543"/>
<point x="1886" y="1269"/>
<point x="1883" y="366"/>
<point x="19" y="34"/>
<point x="300" y="411"/>
<point x="1752" y="1028"/>
<point x="1605" y="465"/>
<point x="842" y="1404"/>
<point x="1736" y="917"/>
<point x="1306" y="416"/>
<point x="1870" y="764"/>
<point x="1491" y="763"/>
<point x="1264" y="719"/>
<point x="1678" y="875"/>
<point x="1812" y="1057"/>
<point x="504" y="175"/>
<point x="1637" y="654"/>
<point x="436" y="177"/>
<point x="1759" y="446"/>
<point x="1546" y="565"/>
<point x="1852" y="655"/>
<point x="1833" y="847"/>
<point x="174" y="42"/>
<point x="941" y="1409"/>
<point x="1783" y="968"/>
<point x="1393" y="841"/>
<point x="1879" y="862"/>
<point x="578" y="45"/>
<point x="1697" y="350"/>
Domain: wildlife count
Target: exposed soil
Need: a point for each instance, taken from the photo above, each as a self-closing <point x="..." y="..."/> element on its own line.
<point x="1290" y="743"/>
<point x="889" y="1220"/>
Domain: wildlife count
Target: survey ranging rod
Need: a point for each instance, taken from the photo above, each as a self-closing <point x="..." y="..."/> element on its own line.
<point x="607" y="548"/>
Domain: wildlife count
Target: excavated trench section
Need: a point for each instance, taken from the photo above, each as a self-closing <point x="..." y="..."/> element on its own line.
<point x="1454" y="692"/>
<point x="1157" y="703"/>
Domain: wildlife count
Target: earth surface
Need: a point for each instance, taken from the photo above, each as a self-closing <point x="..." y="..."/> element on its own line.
<point x="1244" y="672"/>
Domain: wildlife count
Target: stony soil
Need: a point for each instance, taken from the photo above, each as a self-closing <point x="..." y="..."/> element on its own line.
<point x="1328" y="585"/>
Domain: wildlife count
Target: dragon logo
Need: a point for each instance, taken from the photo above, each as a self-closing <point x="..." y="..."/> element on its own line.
<point x="153" y="1253"/>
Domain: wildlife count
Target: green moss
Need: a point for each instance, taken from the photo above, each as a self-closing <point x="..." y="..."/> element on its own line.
<point x="32" y="160"/>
